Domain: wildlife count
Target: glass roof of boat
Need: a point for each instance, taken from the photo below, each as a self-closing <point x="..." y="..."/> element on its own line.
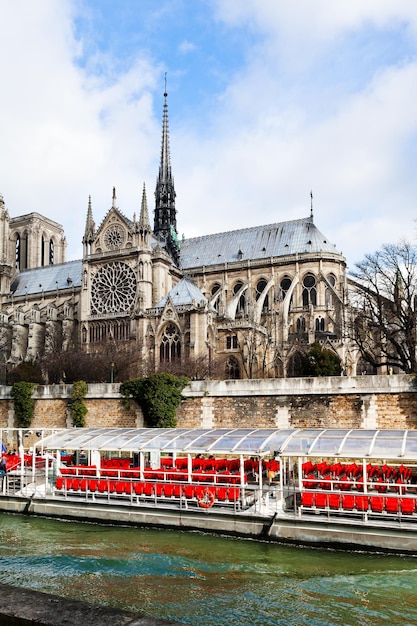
<point x="313" y="442"/>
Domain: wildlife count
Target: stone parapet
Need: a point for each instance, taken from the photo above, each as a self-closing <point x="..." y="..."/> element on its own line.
<point x="331" y="402"/>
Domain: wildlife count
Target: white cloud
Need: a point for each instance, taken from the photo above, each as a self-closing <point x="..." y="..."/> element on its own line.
<point x="66" y="134"/>
<point x="186" y="46"/>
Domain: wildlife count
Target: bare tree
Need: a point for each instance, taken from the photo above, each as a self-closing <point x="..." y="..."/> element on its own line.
<point x="255" y="347"/>
<point x="383" y="292"/>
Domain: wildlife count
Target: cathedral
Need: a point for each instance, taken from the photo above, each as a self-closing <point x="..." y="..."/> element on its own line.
<point x="246" y="303"/>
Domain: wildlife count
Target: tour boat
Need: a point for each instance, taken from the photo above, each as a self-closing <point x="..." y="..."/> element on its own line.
<point x="350" y="488"/>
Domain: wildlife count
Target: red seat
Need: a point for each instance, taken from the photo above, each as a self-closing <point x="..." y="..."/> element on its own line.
<point x="321" y="500"/>
<point x="128" y="487"/>
<point x="168" y="490"/>
<point x="189" y="491"/>
<point x="377" y="503"/>
<point x="233" y="494"/>
<point x="362" y="503"/>
<point x="334" y="500"/>
<point x="348" y="501"/>
<point x="120" y="486"/>
<point x="102" y="486"/>
<point x="345" y="483"/>
<point x="307" y="498"/>
<point x="177" y="491"/>
<point x="325" y="484"/>
<point x="310" y="483"/>
<point x="391" y="505"/>
<point x="138" y="488"/>
<point x="407" y="506"/>
<point x="148" y="489"/>
<point x="159" y="489"/>
<point x="59" y="482"/>
<point x="221" y="493"/>
<point x="380" y="486"/>
<point x="92" y="484"/>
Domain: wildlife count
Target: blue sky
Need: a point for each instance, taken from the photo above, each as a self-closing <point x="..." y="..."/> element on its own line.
<point x="268" y="100"/>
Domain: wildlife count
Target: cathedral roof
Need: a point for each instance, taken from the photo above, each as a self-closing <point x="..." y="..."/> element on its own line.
<point x="48" y="278"/>
<point x="183" y="293"/>
<point x="258" y="242"/>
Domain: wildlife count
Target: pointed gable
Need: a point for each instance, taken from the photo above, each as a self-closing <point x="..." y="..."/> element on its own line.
<point x="184" y="293"/>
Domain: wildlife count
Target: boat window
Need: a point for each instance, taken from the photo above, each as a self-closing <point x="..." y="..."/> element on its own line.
<point x="328" y="443"/>
<point x="301" y="441"/>
<point x="388" y="444"/>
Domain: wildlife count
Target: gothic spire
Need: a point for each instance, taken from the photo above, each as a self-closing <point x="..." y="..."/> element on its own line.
<point x="90" y="226"/>
<point x="165" y="221"/>
<point x="144" y="223"/>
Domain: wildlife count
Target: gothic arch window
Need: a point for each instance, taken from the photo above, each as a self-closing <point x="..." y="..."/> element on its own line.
<point x="331" y="278"/>
<point x="51" y="252"/>
<point x="232" y="368"/>
<point x="301" y="325"/>
<point x="260" y="289"/>
<point x="215" y="291"/>
<point x="18" y="251"/>
<point x="284" y="286"/>
<point x="309" y="290"/>
<point x="231" y="342"/>
<point x="113" y="330"/>
<point x="319" y="324"/>
<point x="240" y="309"/>
<point x="295" y="365"/>
<point x="170" y="347"/>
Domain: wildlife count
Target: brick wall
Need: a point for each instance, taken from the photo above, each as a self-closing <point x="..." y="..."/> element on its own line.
<point x="348" y="402"/>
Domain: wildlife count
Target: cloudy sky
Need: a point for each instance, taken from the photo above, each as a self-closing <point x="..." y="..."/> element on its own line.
<point x="268" y="100"/>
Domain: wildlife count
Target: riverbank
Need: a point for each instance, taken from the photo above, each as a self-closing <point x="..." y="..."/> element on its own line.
<point x="21" y="607"/>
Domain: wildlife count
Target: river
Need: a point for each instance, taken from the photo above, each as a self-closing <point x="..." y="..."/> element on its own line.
<point x="204" y="579"/>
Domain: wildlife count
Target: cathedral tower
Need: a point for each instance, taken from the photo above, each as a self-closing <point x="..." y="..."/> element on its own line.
<point x="165" y="222"/>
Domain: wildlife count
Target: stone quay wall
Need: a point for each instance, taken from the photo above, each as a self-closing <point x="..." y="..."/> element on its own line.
<point x="328" y="402"/>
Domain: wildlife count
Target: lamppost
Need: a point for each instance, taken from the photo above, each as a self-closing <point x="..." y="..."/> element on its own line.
<point x="112" y="372"/>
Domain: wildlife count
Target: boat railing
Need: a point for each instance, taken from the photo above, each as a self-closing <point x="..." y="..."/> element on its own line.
<point x="372" y="502"/>
<point x="204" y="495"/>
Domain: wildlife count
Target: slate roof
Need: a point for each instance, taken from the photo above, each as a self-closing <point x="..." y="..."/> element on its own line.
<point x="258" y="242"/>
<point x="48" y="278"/>
<point x="183" y="293"/>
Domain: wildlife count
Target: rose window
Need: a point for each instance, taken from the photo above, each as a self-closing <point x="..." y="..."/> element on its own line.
<point x="113" y="289"/>
<point x="114" y="237"/>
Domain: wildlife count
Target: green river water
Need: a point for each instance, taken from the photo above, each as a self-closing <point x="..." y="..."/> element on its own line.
<point x="204" y="579"/>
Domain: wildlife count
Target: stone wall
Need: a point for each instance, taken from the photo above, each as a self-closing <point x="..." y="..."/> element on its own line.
<point x="335" y="402"/>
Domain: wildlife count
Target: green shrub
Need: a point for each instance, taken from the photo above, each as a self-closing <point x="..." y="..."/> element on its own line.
<point x="321" y="361"/>
<point x="24" y="404"/>
<point x="158" y="395"/>
<point x="77" y="406"/>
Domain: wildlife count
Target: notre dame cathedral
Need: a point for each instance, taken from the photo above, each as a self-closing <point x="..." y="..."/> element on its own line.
<point x="248" y="303"/>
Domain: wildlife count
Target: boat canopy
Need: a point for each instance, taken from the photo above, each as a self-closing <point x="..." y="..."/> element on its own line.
<point x="306" y="442"/>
